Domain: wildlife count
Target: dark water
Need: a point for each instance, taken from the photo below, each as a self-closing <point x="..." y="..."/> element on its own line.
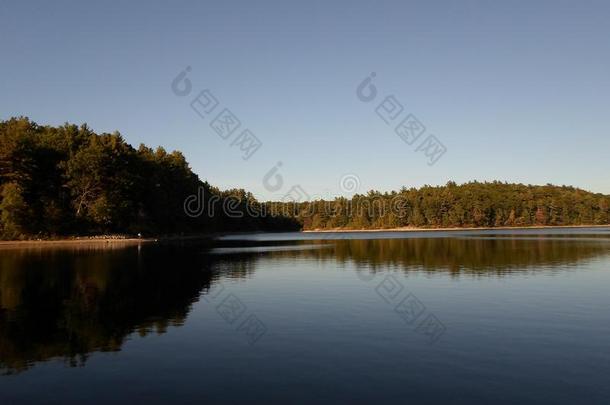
<point x="460" y="317"/>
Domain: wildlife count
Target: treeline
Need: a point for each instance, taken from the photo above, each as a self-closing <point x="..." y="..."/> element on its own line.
<point x="473" y="204"/>
<point x="68" y="180"/>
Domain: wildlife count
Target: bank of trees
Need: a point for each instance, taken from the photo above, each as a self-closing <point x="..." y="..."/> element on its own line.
<point x="474" y="204"/>
<point x="68" y="180"/>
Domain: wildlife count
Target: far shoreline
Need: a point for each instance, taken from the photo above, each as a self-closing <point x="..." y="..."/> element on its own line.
<point x="416" y="229"/>
<point x="120" y="240"/>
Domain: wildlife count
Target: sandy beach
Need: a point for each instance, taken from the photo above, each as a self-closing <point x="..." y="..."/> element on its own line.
<point x="414" y="229"/>
<point x="89" y="242"/>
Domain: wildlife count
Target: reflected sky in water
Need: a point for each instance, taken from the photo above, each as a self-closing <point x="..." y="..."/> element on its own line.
<point x="525" y="318"/>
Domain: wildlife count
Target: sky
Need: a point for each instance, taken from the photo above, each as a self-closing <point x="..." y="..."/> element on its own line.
<point x="513" y="91"/>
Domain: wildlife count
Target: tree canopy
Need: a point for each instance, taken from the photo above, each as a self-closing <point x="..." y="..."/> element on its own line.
<point x="68" y="180"/>
<point x="474" y="204"/>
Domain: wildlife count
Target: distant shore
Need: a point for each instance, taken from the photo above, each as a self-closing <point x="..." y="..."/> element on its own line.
<point x="416" y="229"/>
<point x="99" y="241"/>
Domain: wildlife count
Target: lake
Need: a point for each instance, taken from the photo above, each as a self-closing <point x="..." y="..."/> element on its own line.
<point x="506" y="316"/>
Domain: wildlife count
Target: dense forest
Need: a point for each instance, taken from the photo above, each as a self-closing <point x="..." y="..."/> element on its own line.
<point x="68" y="180"/>
<point x="473" y="204"/>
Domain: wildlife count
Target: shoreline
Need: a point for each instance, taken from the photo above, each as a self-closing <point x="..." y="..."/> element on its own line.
<point x="415" y="229"/>
<point x="115" y="241"/>
<point x="75" y="242"/>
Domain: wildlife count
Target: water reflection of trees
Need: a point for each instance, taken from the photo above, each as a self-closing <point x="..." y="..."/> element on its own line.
<point x="456" y="255"/>
<point x="68" y="303"/>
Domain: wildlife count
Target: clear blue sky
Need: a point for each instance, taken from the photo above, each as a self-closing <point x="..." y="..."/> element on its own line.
<point x="517" y="91"/>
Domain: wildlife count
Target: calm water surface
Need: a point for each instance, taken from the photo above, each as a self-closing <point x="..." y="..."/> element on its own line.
<point x="460" y="317"/>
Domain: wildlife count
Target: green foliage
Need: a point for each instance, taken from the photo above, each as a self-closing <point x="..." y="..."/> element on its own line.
<point x="13" y="211"/>
<point x="473" y="204"/>
<point x="69" y="180"/>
